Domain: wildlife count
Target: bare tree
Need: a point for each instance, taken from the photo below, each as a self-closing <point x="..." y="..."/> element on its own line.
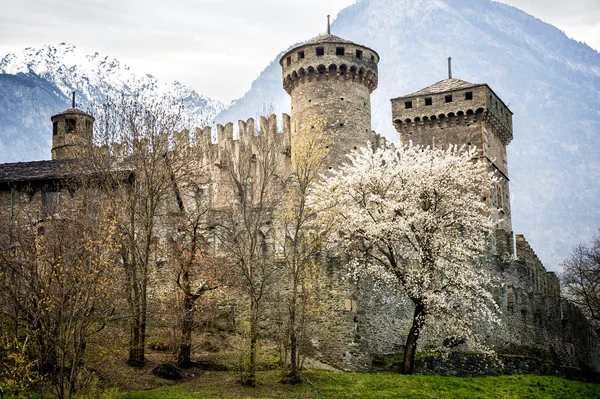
<point x="138" y="177"/>
<point x="60" y="279"/>
<point x="253" y="178"/>
<point x="300" y="236"/>
<point x="198" y="271"/>
<point x="581" y="279"/>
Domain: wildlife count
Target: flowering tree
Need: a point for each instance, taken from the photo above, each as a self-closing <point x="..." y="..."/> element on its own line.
<point x="415" y="217"/>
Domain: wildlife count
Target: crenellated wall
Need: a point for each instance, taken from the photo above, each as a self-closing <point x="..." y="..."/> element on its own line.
<point x="537" y="320"/>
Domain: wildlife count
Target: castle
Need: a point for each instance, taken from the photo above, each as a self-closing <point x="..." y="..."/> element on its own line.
<point x="333" y="78"/>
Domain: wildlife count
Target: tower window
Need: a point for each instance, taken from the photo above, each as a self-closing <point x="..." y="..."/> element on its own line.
<point x="428" y="101"/>
<point x="288" y="61"/>
<point x="359" y="54"/>
<point x="300" y="55"/>
<point x="469" y="95"/>
<point x="55" y="128"/>
<point x="449" y="98"/>
<point x="342" y="124"/>
<point x="500" y="197"/>
<point x="70" y="125"/>
<point x="408" y="104"/>
<point x="339" y="51"/>
<point x="320" y="51"/>
<point x="51" y="202"/>
<point x="372" y="57"/>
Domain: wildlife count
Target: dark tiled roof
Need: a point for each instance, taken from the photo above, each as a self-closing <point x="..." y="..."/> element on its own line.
<point x="442" y="86"/>
<point x="30" y="171"/>
<point x="72" y="111"/>
<point x="329" y="39"/>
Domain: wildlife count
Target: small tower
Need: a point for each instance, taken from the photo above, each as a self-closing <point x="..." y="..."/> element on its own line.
<point x="72" y="129"/>
<point x="332" y="78"/>
<point x="455" y="112"/>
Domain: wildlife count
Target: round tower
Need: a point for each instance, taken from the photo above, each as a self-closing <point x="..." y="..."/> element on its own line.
<point x="332" y="78"/>
<point x="72" y="129"/>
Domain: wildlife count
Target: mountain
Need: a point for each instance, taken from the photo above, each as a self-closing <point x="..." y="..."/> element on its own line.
<point x="550" y="82"/>
<point x="37" y="83"/>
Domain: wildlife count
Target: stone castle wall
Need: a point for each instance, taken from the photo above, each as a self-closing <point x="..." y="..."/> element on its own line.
<point x="537" y="321"/>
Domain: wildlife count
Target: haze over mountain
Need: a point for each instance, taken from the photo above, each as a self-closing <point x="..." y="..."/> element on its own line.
<point x="37" y="83"/>
<point x="550" y="82"/>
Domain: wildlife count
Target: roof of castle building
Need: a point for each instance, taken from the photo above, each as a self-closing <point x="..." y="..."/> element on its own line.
<point x="329" y="39"/>
<point x="71" y="111"/>
<point x="326" y="38"/>
<point x="29" y="171"/>
<point x="443" y="86"/>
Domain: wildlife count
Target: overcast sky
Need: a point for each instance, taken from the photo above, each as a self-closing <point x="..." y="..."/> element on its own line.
<point x="216" y="47"/>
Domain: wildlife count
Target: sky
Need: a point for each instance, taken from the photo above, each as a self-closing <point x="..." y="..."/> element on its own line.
<point x="217" y="47"/>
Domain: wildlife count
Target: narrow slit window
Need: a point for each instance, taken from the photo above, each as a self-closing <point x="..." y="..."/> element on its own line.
<point x="288" y="61"/>
<point x="428" y="101"/>
<point x="70" y="125"/>
<point x="408" y="104"/>
<point x="55" y="128"/>
<point x="320" y="50"/>
<point x="372" y="57"/>
<point x="339" y="51"/>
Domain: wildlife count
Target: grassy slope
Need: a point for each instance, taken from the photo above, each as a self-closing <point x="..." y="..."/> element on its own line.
<point x="371" y="386"/>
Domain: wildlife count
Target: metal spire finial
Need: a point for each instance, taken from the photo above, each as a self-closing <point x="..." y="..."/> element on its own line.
<point x="449" y="67"/>
<point x="328" y="26"/>
<point x="73" y="105"/>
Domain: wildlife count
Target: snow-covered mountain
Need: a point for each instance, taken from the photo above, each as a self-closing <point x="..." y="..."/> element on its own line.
<point x="37" y="83"/>
<point x="550" y="82"/>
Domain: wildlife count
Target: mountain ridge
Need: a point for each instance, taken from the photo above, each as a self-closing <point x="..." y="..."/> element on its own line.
<point x="51" y="73"/>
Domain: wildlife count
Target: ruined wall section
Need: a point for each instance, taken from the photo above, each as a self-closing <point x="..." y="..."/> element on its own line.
<point x="537" y="321"/>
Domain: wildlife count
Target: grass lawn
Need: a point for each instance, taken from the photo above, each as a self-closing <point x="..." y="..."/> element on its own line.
<point x="324" y="384"/>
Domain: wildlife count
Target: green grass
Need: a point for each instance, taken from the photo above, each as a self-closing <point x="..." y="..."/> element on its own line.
<point x="325" y="384"/>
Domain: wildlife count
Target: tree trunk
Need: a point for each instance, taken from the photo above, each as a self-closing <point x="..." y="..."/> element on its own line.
<point x="184" y="355"/>
<point x="293" y="376"/>
<point x="410" y="349"/>
<point x="251" y="377"/>
<point x="136" y="347"/>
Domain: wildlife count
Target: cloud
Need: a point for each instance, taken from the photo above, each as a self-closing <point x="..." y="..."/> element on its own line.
<point x="217" y="47"/>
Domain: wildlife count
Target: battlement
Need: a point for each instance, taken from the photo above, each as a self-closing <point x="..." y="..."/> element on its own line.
<point x="351" y="73"/>
<point x="457" y="118"/>
<point x="214" y="146"/>
<point x="327" y="57"/>
<point x="539" y="279"/>
<point x="453" y="101"/>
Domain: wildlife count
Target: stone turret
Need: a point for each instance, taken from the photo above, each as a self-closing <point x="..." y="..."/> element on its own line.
<point x="332" y="78"/>
<point x="71" y="130"/>
<point x="455" y="112"/>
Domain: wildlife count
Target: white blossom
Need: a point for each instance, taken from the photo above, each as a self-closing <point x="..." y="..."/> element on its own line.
<point x="416" y="218"/>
